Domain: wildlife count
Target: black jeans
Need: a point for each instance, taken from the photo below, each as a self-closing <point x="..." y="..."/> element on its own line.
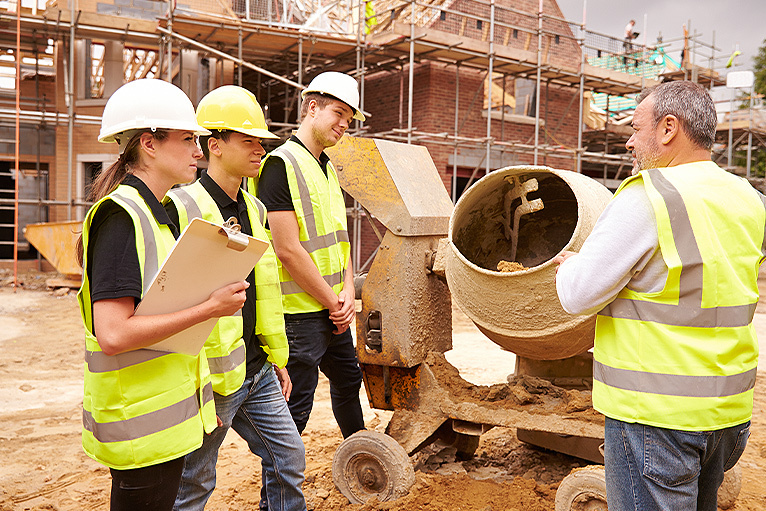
<point x="152" y="488"/>
<point x="312" y="346"/>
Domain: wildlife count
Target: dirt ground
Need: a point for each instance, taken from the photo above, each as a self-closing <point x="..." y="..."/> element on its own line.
<point x="44" y="467"/>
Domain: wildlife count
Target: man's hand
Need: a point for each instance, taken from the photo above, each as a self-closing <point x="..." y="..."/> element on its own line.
<point x="563" y="256"/>
<point x="284" y="382"/>
<point x="344" y="314"/>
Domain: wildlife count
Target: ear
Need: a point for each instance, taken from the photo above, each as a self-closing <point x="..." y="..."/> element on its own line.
<point x="669" y="127"/>
<point x="148" y="144"/>
<point x="213" y="147"/>
<point x="313" y="108"/>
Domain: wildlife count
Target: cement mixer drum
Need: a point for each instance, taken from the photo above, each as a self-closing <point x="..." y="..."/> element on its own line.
<point x="519" y="310"/>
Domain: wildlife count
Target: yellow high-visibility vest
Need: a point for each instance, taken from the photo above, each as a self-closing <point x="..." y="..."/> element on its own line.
<point x="685" y="357"/>
<point x="141" y="407"/>
<point x="225" y="348"/>
<point x="321" y="212"/>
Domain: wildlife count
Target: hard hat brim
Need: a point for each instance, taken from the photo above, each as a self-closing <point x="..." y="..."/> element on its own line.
<point x="108" y="136"/>
<point x="255" y="132"/>
<point x="358" y="115"/>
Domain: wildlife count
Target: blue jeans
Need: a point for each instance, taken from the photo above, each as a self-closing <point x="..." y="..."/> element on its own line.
<point x="649" y="468"/>
<point x="312" y="346"/>
<point x="259" y="414"/>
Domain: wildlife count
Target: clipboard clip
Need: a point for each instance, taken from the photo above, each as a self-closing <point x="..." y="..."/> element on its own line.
<point x="236" y="240"/>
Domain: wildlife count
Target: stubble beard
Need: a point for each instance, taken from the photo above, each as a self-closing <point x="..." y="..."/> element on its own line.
<point x="648" y="159"/>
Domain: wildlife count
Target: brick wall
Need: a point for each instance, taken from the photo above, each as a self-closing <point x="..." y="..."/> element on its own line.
<point x="434" y="112"/>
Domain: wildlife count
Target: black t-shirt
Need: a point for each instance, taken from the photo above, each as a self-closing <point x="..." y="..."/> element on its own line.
<point x="273" y="189"/>
<point x="256" y="357"/>
<point x="113" y="268"/>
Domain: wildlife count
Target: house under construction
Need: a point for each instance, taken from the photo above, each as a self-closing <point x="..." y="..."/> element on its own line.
<point x="482" y="83"/>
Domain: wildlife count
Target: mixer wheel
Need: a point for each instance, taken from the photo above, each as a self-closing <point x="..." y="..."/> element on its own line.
<point x="584" y="489"/>
<point x="729" y="489"/>
<point x="369" y="464"/>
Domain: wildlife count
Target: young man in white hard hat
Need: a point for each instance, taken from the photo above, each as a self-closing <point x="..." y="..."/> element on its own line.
<point x="247" y="353"/>
<point x="307" y="220"/>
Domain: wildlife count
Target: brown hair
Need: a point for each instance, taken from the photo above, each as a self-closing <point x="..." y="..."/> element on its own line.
<point x="216" y="134"/>
<point x="322" y="101"/>
<point x="107" y="180"/>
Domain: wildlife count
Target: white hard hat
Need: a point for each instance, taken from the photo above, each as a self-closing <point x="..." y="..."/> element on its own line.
<point x="148" y="103"/>
<point x="338" y="85"/>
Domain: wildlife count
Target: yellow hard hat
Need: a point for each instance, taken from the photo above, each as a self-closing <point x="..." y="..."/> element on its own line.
<point x="233" y="108"/>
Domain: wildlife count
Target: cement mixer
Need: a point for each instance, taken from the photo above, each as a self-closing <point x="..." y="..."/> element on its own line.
<point x="492" y="254"/>
<point x="432" y="253"/>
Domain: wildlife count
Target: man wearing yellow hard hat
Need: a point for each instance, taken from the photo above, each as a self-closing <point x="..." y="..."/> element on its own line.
<point x="247" y="353"/>
<point x="307" y="222"/>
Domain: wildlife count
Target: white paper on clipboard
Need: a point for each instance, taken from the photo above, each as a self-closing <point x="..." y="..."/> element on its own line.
<point x="205" y="258"/>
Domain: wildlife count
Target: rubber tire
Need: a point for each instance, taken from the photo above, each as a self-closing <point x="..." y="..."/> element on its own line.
<point x="730" y="487"/>
<point x="584" y="489"/>
<point x="370" y="464"/>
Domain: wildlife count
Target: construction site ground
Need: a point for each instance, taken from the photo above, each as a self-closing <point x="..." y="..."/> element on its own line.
<point x="44" y="467"/>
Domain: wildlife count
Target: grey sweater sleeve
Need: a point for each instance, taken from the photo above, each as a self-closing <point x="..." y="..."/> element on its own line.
<point x="622" y="251"/>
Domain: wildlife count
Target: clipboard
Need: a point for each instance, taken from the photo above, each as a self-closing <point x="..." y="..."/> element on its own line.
<point x="205" y="258"/>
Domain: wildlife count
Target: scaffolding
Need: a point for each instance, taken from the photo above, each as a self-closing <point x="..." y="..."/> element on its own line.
<point x="272" y="46"/>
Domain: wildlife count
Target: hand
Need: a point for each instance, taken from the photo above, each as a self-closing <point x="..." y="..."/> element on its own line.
<point x="344" y="314"/>
<point x="284" y="382"/>
<point x="228" y="299"/>
<point x="563" y="256"/>
<point x="218" y="422"/>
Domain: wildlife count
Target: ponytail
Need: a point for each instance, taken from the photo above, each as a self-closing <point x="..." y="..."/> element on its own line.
<point x="107" y="180"/>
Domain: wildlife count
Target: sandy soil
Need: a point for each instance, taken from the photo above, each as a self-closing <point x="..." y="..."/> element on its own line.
<point x="44" y="468"/>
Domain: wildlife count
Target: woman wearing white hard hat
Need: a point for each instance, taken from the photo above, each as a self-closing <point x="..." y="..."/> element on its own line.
<point x="143" y="410"/>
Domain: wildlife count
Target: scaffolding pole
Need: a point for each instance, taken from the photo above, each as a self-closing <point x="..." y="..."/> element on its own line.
<point x="16" y="157"/>
<point x="70" y="111"/>
<point x="412" y="72"/>
<point x="578" y="159"/>
<point x="539" y="76"/>
<point x="489" y="83"/>
<point x="749" y="129"/>
<point x="169" y="76"/>
<point x="239" y="56"/>
<point x="457" y="121"/>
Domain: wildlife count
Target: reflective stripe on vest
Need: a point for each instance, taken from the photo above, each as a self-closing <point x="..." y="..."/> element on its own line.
<point x="145" y="425"/>
<point x="291" y="287"/>
<point x="221" y="365"/>
<point x="666" y="359"/>
<point x="674" y="384"/>
<point x="98" y="362"/>
<point x="141" y="407"/>
<point x="151" y="260"/>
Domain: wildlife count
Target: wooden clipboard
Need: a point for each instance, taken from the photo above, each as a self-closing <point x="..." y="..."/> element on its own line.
<point x="205" y="258"/>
